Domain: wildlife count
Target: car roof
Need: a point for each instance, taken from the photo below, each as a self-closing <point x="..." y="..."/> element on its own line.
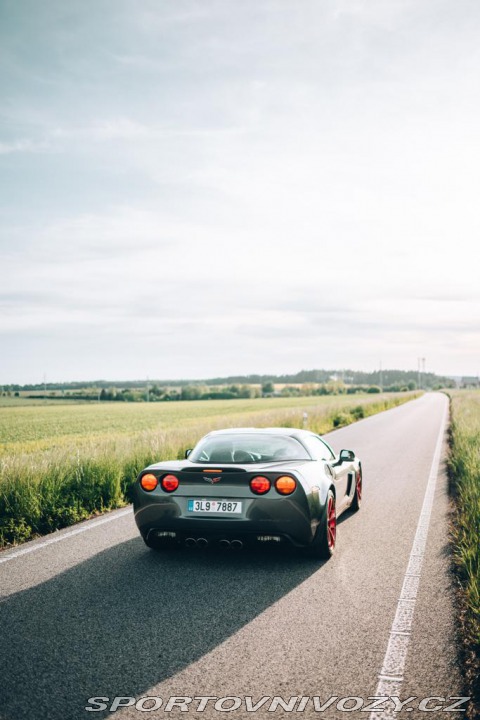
<point x="291" y="432"/>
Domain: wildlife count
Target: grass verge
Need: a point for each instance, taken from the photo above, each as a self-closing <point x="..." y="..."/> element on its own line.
<point x="464" y="474"/>
<point x="46" y="490"/>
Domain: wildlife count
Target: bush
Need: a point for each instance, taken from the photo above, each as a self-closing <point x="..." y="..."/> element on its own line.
<point x="358" y="412"/>
<point x="341" y="419"/>
<point x="219" y="395"/>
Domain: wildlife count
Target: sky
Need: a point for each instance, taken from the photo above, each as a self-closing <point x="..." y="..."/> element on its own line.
<point x="201" y="188"/>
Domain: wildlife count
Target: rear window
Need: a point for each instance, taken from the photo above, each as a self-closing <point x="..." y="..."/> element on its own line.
<point x="248" y="448"/>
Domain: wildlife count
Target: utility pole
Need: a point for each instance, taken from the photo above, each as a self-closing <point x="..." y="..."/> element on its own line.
<point x="148" y="389"/>
<point x="381" y="377"/>
<point x="419" y="381"/>
<point x="423" y="369"/>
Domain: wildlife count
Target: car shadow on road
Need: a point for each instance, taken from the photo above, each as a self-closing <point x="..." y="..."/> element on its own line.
<point x="128" y="618"/>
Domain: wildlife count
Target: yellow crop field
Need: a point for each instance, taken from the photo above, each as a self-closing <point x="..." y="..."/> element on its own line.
<point x="31" y="428"/>
<point x="34" y="427"/>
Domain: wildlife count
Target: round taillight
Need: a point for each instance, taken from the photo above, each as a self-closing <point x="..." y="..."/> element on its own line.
<point x="149" y="482"/>
<point x="169" y="483"/>
<point x="285" y="485"/>
<point x="260" y="485"/>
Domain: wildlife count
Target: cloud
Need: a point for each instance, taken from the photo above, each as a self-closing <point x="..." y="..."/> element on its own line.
<point x="117" y="128"/>
<point x="23" y="146"/>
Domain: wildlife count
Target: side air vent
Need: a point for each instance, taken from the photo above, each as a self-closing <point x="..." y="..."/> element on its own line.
<point x="349" y="484"/>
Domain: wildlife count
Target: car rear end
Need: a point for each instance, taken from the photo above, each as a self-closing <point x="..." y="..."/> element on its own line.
<point x="223" y="505"/>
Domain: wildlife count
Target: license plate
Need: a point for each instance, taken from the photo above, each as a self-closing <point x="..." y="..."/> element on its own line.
<point x="215" y="507"/>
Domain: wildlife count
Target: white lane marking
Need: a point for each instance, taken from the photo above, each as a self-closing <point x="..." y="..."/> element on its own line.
<point x="88" y="525"/>
<point x="391" y="675"/>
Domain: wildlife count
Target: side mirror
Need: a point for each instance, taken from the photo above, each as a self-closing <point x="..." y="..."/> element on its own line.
<point x="187" y="453"/>
<point x="346" y="456"/>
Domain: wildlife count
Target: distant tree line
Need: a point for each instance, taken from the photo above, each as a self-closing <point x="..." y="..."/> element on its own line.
<point x="306" y="382"/>
<point x="387" y="379"/>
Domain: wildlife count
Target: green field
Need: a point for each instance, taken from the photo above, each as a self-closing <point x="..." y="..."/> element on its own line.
<point x="63" y="463"/>
<point x="38" y="428"/>
<point x="464" y="466"/>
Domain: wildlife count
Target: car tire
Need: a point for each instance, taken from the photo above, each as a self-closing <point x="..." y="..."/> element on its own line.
<point x="323" y="544"/>
<point x="357" y="497"/>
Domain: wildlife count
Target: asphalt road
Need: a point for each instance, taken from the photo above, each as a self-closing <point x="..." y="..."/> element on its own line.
<point x="95" y="613"/>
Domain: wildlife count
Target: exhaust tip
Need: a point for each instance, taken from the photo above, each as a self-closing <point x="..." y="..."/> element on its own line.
<point x="224" y="543"/>
<point x="190" y="542"/>
<point x="236" y="544"/>
<point x="202" y="542"/>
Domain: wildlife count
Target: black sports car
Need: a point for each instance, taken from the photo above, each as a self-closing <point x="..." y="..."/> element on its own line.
<point x="249" y="486"/>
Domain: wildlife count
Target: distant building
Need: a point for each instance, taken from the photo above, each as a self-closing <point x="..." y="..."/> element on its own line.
<point x="470" y="382"/>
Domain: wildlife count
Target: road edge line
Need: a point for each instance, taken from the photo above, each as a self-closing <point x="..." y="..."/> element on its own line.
<point x="391" y="675"/>
<point x="51" y="539"/>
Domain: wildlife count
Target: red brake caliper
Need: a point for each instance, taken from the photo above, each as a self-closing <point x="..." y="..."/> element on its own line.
<point x="359" y="485"/>
<point x="332" y="523"/>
